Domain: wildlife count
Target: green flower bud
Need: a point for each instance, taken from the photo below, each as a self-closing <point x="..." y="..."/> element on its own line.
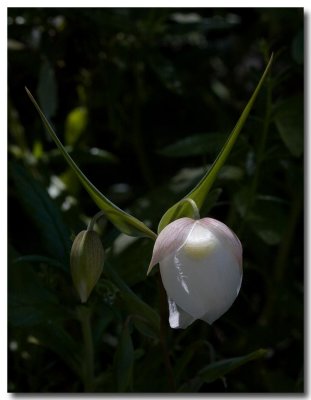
<point x="86" y="262"/>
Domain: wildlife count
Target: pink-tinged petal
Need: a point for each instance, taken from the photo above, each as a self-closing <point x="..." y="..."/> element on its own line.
<point x="225" y="235"/>
<point x="203" y="276"/>
<point x="170" y="239"/>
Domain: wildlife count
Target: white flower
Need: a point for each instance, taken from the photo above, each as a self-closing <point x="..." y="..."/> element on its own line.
<point x="201" y="269"/>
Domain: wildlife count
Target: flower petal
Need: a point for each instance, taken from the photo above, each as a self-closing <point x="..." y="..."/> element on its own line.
<point x="170" y="239"/>
<point x="178" y="317"/>
<point x="204" y="276"/>
<point x="224" y="234"/>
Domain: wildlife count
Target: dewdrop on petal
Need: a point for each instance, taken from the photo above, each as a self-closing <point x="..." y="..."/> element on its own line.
<point x="86" y="262"/>
<point x="201" y="269"/>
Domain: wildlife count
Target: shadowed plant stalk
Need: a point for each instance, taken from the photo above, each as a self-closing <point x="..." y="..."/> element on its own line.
<point x="84" y="315"/>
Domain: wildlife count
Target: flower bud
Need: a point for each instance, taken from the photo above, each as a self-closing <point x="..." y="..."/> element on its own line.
<point x="201" y="269"/>
<point x="86" y="261"/>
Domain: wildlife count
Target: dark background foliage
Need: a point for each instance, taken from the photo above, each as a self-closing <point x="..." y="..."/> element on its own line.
<point x="144" y="99"/>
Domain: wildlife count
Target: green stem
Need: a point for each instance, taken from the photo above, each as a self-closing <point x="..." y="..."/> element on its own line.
<point x="88" y="360"/>
<point x="94" y="220"/>
<point x="196" y="212"/>
<point x="163" y="335"/>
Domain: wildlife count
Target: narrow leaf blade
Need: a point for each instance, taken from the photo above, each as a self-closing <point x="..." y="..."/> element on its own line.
<point x="122" y="220"/>
<point x="220" y="368"/>
<point x="199" y="193"/>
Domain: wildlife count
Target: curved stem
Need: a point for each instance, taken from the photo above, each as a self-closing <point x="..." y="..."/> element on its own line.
<point x="94" y="220"/>
<point x="195" y="209"/>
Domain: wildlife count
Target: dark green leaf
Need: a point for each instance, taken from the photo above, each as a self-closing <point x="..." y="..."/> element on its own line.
<point x="289" y="121"/>
<point x="29" y="302"/>
<point x="220" y="368"/>
<point x="55" y="234"/>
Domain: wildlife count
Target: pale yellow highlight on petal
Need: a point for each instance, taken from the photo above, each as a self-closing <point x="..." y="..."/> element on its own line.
<point x="200" y="243"/>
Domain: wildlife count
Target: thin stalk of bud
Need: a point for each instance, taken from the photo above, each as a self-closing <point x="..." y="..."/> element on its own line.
<point x="93" y="221"/>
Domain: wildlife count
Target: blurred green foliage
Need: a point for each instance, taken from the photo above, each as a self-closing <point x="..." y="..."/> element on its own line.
<point x="144" y="100"/>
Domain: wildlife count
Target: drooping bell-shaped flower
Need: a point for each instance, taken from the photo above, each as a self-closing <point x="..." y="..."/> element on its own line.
<point x="201" y="269"/>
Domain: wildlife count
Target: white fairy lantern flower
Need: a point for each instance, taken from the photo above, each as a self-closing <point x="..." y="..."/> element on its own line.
<point x="201" y="269"/>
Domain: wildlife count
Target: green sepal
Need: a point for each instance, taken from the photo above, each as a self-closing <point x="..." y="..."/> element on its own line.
<point x="199" y="193"/>
<point x="125" y="222"/>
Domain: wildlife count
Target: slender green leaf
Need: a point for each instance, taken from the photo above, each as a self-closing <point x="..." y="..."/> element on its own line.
<point x="220" y="368"/>
<point x="199" y="193"/>
<point x="124" y="360"/>
<point x="122" y="220"/>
